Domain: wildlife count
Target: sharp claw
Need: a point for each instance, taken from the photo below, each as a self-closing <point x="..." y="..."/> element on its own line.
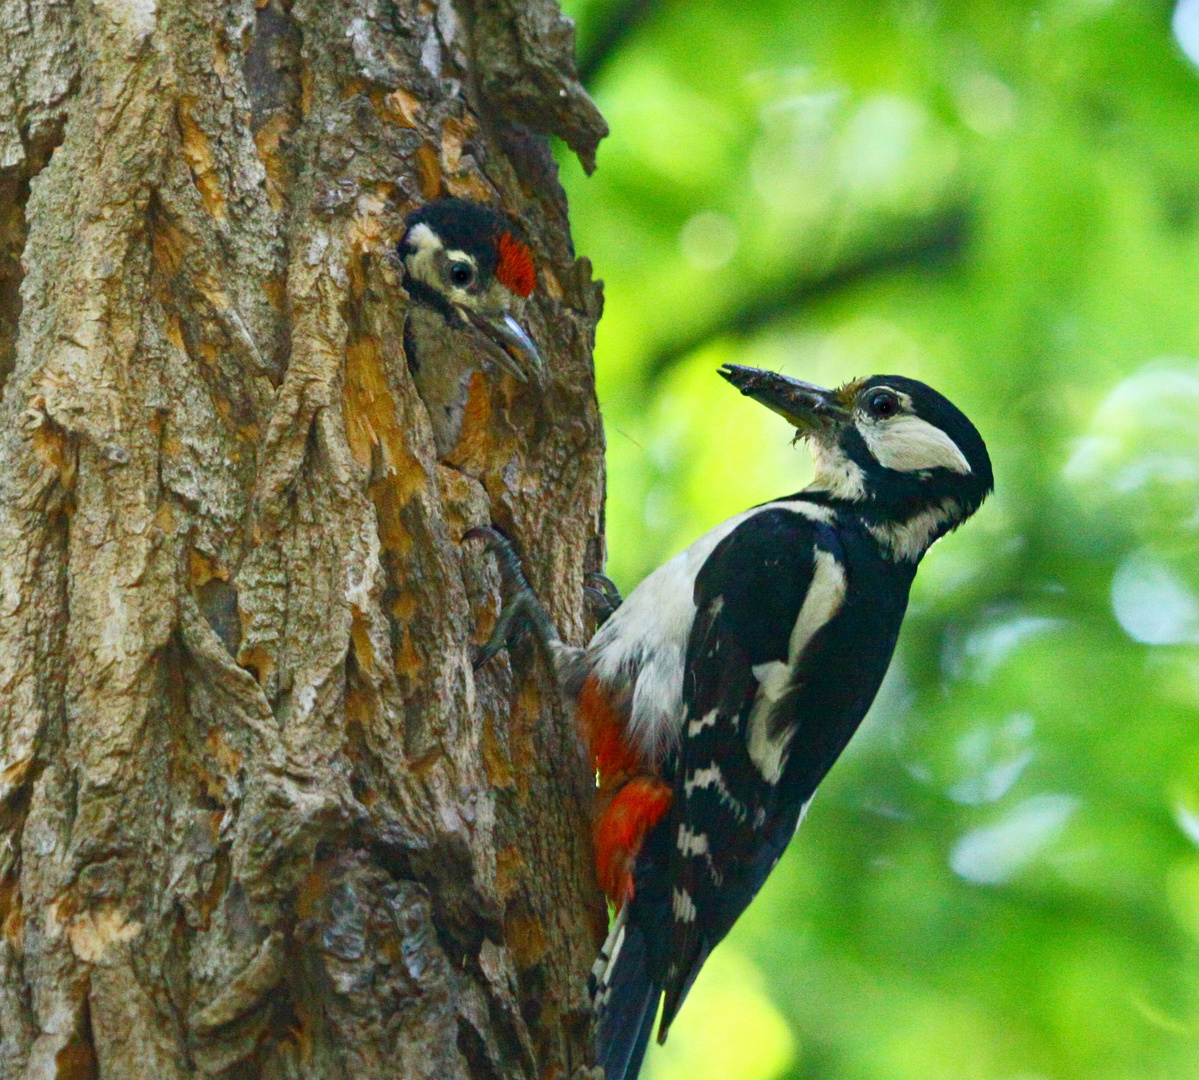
<point x="521" y="608"/>
<point x="603" y="595"/>
<point x="607" y="588"/>
<point x="488" y="652"/>
<point x="511" y="573"/>
<point x="601" y="605"/>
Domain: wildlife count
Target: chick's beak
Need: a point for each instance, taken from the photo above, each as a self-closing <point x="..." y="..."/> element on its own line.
<point x="518" y="354"/>
<point x="812" y="409"/>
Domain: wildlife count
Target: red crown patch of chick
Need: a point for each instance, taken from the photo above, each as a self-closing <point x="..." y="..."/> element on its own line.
<point x="515" y="268"/>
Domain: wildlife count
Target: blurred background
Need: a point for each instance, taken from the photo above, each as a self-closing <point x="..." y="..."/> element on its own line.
<point x="1000" y="879"/>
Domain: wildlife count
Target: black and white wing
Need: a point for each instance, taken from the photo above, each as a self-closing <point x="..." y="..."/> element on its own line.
<point x="765" y="593"/>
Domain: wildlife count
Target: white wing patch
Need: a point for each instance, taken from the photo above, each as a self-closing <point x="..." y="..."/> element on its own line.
<point x="691" y="843"/>
<point x="767" y="748"/>
<point x="704" y="778"/>
<point x="712" y="777"/>
<point x="682" y="905"/>
<point x="906" y="443"/>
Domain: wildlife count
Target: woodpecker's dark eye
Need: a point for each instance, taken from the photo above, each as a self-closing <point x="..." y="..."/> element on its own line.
<point x="462" y="274"/>
<point x="881" y="403"/>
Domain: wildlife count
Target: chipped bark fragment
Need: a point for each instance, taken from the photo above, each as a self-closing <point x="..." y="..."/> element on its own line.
<point x="428" y="171"/>
<point x="259" y="815"/>
<point x="527" y="71"/>
<point x="245" y="991"/>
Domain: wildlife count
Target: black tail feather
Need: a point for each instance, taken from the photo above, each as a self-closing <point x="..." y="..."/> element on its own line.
<point x="676" y="994"/>
<point x="627" y="1001"/>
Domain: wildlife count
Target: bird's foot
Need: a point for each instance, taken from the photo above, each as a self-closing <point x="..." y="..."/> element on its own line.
<point x="521" y="609"/>
<point x="603" y="596"/>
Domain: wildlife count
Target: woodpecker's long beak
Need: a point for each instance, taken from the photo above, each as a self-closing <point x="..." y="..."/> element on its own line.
<point x="812" y="409"/>
<point x="518" y="353"/>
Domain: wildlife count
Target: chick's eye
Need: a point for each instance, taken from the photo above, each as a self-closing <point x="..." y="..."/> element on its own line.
<point x="462" y="274"/>
<point x="881" y="404"/>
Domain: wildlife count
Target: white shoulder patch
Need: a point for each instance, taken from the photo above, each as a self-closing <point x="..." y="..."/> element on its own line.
<point x="906" y="443"/>
<point x="825" y="597"/>
<point x="768" y="749"/>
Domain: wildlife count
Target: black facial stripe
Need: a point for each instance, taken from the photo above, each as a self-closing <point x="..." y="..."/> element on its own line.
<point x="855" y="448"/>
<point x="429" y="296"/>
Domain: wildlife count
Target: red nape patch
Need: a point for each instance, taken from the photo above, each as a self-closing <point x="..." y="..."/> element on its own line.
<point x="604" y="729"/>
<point x="621" y="830"/>
<point x="515" y="267"/>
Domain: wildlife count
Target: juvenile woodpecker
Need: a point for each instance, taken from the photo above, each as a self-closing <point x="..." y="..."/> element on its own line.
<point x="467" y="268"/>
<point x="720" y="693"/>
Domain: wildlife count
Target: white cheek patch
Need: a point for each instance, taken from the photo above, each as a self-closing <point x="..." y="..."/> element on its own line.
<point x="908" y="444"/>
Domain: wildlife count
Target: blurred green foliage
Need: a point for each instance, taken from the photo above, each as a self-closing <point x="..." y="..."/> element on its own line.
<point x="1000" y="880"/>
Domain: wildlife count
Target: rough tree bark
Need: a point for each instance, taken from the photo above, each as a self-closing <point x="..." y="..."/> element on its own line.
<point x="260" y="819"/>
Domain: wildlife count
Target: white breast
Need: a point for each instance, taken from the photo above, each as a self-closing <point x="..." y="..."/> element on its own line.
<point x="645" y="641"/>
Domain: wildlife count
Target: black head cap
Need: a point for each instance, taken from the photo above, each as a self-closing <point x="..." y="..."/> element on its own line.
<point x="904" y="454"/>
<point x="498" y="246"/>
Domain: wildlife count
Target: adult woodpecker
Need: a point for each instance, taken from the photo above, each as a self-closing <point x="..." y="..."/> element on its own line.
<point x="466" y="269"/>
<point x="720" y="693"/>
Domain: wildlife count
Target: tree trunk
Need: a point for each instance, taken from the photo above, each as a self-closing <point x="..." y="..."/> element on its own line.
<point x="260" y="818"/>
